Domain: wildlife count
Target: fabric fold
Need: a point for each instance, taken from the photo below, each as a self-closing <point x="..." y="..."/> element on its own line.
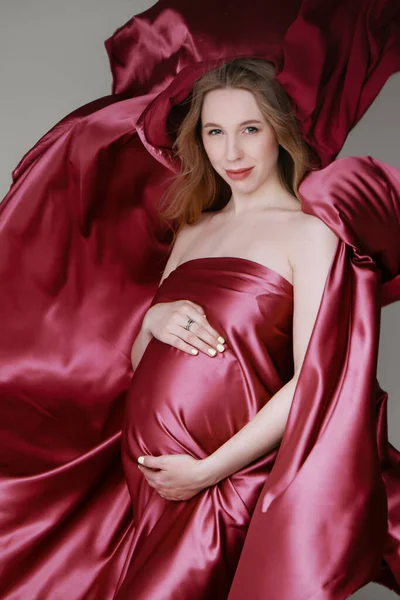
<point x="83" y="250"/>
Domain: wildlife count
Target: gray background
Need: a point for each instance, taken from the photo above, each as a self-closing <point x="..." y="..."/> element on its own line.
<point x="52" y="60"/>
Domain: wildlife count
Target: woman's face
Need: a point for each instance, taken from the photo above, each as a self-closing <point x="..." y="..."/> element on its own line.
<point x="240" y="143"/>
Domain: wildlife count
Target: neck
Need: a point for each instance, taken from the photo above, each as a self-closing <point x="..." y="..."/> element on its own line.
<point x="272" y="195"/>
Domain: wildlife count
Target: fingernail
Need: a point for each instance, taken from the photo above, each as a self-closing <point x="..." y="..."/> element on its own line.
<point x="141" y="460"/>
<point x="212" y="352"/>
<point x="221" y="339"/>
<point x="194" y="351"/>
<point x="220" y="347"/>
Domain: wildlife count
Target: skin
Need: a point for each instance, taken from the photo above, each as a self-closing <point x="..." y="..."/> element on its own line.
<point x="262" y="222"/>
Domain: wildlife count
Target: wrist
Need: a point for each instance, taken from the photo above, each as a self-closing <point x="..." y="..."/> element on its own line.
<point x="209" y="472"/>
<point x="145" y="328"/>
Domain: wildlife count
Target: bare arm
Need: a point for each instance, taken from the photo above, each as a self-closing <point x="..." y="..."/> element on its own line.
<point x="311" y="263"/>
<point x="167" y="320"/>
<point x="143" y="338"/>
<point x="140" y="344"/>
<point x="180" y="476"/>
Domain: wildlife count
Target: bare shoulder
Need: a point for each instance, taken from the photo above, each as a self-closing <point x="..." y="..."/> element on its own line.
<point x="184" y="240"/>
<point x="313" y="246"/>
<point x="312" y="241"/>
<point x="188" y="234"/>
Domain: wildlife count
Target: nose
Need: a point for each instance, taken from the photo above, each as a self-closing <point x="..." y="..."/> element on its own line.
<point x="233" y="149"/>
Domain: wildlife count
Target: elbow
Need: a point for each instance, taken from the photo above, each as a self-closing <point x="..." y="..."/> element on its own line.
<point x="134" y="359"/>
<point x="294" y="379"/>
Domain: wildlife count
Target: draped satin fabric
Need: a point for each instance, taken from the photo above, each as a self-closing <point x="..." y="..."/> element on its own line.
<point x="194" y="405"/>
<point x="82" y="252"/>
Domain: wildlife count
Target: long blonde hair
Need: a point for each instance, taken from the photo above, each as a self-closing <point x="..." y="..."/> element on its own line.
<point x="197" y="186"/>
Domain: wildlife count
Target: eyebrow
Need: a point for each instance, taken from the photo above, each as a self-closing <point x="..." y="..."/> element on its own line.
<point x="240" y="124"/>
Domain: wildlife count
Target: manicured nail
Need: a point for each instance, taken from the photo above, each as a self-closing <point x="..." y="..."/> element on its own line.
<point x="221" y="340"/>
<point x="141" y="460"/>
<point x="212" y="352"/>
<point x="194" y="351"/>
<point x="220" y="348"/>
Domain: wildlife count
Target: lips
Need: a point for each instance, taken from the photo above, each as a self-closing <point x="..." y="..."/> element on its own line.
<point x="239" y="173"/>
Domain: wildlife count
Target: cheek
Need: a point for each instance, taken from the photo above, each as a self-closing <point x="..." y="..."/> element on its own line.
<point x="212" y="150"/>
<point x="268" y="149"/>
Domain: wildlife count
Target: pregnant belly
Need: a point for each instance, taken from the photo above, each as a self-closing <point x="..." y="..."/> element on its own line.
<point x="179" y="403"/>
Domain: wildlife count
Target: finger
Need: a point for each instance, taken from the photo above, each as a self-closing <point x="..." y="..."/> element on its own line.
<point x="203" y="333"/>
<point x="151" y="462"/>
<point x="150" y="476"/>
<point x="177" y="342"/>
<point x="192" y="347"/>
<point x="204" y="339"/>
<point x="180" y="319"/>
<point x="211" y="348"/>
<point x="197" y="307"/>
<point x="207" y="340"/>
<point x="200" y="326"/>
<point x="202" y="320"/>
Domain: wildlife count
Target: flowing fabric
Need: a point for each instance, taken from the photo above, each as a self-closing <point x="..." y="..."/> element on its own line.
<point x="334" y="488"/>
<point x="82" y="252"/>
<point x="194" y="405"/>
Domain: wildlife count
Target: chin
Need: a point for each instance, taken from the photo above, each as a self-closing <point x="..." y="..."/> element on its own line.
<point x="244" y="186"/>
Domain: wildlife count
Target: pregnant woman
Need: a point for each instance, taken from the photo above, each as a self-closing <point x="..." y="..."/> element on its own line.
<point x="241" y="290"/>
<point x="222" y="375"/>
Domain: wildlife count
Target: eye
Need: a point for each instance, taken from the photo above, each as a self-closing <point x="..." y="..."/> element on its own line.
<point x="214" y="131"/>
<point x="252" y="128"/>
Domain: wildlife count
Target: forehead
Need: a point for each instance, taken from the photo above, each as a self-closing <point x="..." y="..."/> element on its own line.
<point x="229" y="105"/>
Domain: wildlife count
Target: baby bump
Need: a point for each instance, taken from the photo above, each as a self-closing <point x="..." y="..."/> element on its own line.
<point x="179" y="403"/>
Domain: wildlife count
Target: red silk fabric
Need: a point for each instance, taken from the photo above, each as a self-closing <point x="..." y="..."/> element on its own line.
<point x="335" y="483"/>
<point x="82" y="252"/>
<point x="193" y="405"/>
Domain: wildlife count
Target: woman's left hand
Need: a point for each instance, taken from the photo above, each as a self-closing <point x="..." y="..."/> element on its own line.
<point x="175" y="476"/>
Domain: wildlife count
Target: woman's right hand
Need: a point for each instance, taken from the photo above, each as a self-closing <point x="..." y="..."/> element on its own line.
<point x="166" y="321"/>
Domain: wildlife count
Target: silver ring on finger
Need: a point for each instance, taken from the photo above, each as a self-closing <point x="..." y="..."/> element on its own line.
<point x="189" y="324"/>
